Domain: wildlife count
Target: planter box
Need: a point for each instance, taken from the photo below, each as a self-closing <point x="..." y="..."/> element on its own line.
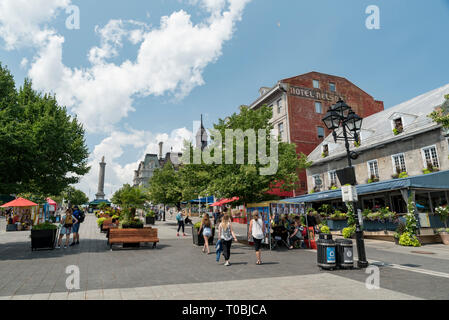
<point x="43" y="239"/>
<point x="150" y="220"/>
<point x="11" y="227"/>
<point x="337" y="224"/>
<point x="198" y="239"/>
<point x="445" y="238"/>
<point x="378" y="226"/>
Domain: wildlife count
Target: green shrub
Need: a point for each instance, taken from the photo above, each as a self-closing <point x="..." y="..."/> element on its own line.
<point x="325" y="229"/>
<point x="443" y="230"/>
<point x="409" y="240"/>
<point x="403" y="175"/>
<point x="150" y="214"/>
<point x="426" y="171"/>
<point x="443" y="213"/>
<point x="100" y="221"/>
<point x="115" y="217"/>
<point x="348" y="232"/>
<point x="45" y="226"/>
<point x="132" y="224"/>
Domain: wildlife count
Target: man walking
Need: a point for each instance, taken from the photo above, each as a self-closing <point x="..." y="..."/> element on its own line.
<point x="76" y="226"/>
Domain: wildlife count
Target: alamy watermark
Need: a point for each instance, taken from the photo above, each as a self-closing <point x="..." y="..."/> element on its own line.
<point x="373" y="280"/>
<point x="256" y="142"/>
<point x="73" y="20"/>
<point x="73" y="280"/>
<point x="373" y="20"/>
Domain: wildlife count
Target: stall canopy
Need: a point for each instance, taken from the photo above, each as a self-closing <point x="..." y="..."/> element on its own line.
<point x="51" y="202"/>
<point x="431" y="181"/>
<point x="19" y="202"/>
<point x="224" y="201"/>
<point x="97" y="202"/>
<point x="203" y="200"/>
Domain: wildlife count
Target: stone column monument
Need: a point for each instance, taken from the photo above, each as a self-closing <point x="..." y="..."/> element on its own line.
<point x="100" y="194"/>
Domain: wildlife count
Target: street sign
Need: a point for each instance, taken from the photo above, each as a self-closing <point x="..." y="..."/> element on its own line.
<point x="349" y="194"/>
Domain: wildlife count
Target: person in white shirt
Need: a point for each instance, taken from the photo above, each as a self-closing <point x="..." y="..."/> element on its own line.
<point x="257" y="232"/>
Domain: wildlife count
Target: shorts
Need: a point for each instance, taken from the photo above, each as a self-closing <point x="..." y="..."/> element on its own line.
<point x="257" y="244"/>
<point x="76" y="227"/>
<point x="65" y="230"/>
<point x="207" y="232"/>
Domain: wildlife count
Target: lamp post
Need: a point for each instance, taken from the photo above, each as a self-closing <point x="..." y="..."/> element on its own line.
<point x="341" y="115"/>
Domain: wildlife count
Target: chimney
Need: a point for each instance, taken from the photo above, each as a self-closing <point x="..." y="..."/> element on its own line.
<point x="160" y="149"/>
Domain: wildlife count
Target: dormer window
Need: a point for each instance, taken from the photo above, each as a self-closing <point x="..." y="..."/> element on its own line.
<point x="398" y="127"/>
<point x="325" y="152"/>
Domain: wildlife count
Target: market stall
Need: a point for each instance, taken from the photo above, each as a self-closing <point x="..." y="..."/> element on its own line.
<point x="23" y="214"/>
<point x="271" y="212"/>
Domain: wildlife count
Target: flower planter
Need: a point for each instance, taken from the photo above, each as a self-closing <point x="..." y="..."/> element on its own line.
<point x="43" y="239"/>
<point x="198" y="239"/>
<point x="445" y="238"/>
<point x="337" y="224"/>
<point x="11" y="227"/>
<point x="369" y="225"/>
<point x="149" y="220"/>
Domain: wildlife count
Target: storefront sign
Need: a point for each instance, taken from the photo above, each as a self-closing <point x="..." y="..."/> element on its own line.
<point x="315" y="94"/>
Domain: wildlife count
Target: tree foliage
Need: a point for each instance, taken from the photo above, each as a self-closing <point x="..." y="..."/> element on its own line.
<point x="43" y="148"/>
<point x="164" y="186"/>
<point x="441" y="115"/>
<point x="130" y="198"/>
<point x="243" y="180"/>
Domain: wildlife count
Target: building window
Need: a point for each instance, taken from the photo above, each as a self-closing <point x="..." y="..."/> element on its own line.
<point x="430" y="157"/>
<point x="316" y="84"/>
<point x="373" y="170"/>
<point x="320" y="132"/>
<point x="318" y="107"/>
<point x="281" y="129"/>
<point x="399" y="163"/>
<point x="279" y="105"/>
<point x="332" y="87"/>
<point x="317" y="182"/>
<point x="333" y="178"/>
<point x="325" y="150"/>
<point x="398" y="127"/>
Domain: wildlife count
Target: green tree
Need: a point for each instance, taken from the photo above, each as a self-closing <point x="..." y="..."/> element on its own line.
<point x="75" y="196"/>
<point x="245" y="180"/>
<point x="164" y="186"/>
<point x="130" y="198"/>
<point x="43" y="148"/>
<point x="441" y="115"/>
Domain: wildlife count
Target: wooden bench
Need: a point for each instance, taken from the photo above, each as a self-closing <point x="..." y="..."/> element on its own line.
<point x="107" y="224"/>
<point x="132" y="236"/>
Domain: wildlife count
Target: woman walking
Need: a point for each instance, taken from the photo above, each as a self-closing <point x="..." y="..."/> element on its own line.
<point x="225" y="233"/>
<point x="180" y="219"/>
<point x="206" y="227"/>
<point x="257" y="229"/>
<point x="66" y="223"/>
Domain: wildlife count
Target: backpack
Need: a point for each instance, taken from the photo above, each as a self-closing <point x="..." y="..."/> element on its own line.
<point x="68" y="222"/>
<point x="179" y="217"/>
<point x="81" y="217"/>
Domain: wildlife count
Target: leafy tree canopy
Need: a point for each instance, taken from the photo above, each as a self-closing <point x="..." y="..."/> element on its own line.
<point x="441" y="115"/>
<point x="43" y="148"/>
<point x="165" y="186"/>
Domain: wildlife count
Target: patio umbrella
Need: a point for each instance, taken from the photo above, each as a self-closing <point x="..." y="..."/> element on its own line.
<point x="19" y="202"/>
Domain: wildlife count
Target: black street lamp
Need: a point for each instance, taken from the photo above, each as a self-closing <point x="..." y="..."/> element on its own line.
<point x="341" y="115"/>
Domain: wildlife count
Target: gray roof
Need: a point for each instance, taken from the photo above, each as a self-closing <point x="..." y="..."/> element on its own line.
<point x="377" y="129"/>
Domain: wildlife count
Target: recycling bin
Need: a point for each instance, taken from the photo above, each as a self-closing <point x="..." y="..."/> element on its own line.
<point x="326" y="253"/>
<point x="345" y="253"/>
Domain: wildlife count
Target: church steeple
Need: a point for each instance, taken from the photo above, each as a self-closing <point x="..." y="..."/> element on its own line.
<point x="201" y="136"/>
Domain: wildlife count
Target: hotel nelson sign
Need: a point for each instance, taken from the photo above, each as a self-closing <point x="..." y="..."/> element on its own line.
<point x="314" y="94"/>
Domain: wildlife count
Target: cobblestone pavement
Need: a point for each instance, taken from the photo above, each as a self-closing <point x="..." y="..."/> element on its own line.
<point x="177" y="269"/>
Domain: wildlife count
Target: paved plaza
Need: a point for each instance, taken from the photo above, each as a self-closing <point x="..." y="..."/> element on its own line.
<point x="177" y="269"/>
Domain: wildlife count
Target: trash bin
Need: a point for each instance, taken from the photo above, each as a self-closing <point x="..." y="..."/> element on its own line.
<point x="326" y="253"/>
<point x="345" y="253"/>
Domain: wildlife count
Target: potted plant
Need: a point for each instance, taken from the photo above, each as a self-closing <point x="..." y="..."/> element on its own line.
<point x="348" y="232"/>
<point x="399" y="231"/>
<point x="150" y="217"/>
<point x="373" y="179"/>
<point x="444" y="234"/>
<point x="198" y="239"/>
<point x="43" y="236"/>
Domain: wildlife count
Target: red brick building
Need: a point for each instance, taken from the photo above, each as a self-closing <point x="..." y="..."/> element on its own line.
<point x="299" y="104"/>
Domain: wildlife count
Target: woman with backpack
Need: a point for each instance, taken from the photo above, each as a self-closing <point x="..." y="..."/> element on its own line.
<point x="206" y="227"/>
<point x="180" y="219"/>
<point x="225" y="233"/>
<point x="66" y="224"/>
<point x="257" y="232"/>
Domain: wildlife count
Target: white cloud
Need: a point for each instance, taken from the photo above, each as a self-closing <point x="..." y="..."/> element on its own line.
<point x="21" y="21"/>
<point x="24" y="63"/>
<point x="112" y="148"/>
<point x="170" y="60"/>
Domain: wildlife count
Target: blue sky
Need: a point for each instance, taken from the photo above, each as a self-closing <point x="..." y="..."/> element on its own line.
<point x="267" y="41"/>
